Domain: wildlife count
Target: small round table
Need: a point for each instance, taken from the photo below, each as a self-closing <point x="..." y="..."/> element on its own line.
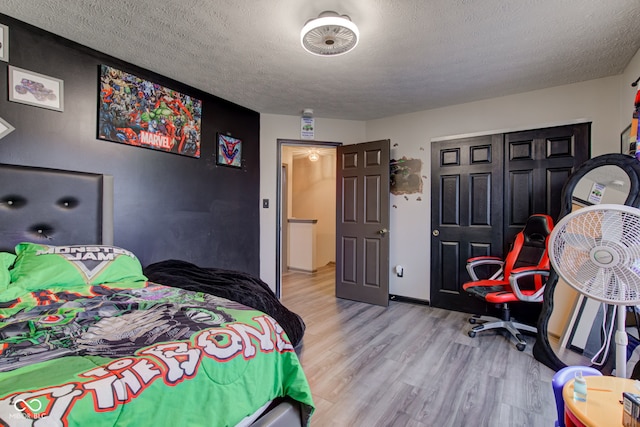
<point x="603" y="407"/>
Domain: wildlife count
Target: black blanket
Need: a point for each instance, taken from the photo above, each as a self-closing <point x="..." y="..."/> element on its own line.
<point x="232" y="285"/>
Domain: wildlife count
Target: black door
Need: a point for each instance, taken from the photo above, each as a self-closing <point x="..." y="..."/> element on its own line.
<point x="484" y="188"/>
<point x="466" y="213"/>
<point x="538" y="163"/>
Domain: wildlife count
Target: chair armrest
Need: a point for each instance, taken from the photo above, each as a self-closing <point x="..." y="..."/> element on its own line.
<point x="483" y="258"/>
<point x="474" y="262"/>
<point x="518" y="273"/>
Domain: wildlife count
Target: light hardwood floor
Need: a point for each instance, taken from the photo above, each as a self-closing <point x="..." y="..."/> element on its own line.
<point x="411" y="365"/>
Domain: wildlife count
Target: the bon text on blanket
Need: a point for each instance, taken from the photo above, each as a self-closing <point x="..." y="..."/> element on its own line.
<point x="125" y="378"/>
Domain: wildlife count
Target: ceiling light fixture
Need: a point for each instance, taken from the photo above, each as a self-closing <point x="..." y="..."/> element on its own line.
<point x="314" y="156"/>
<point x="330" y="34"/>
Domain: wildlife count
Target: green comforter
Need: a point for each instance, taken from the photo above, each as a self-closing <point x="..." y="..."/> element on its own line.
<point x="134" y="354"/>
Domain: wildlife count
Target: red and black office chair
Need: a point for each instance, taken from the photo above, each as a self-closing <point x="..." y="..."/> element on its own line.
<point x="521" y="276"/>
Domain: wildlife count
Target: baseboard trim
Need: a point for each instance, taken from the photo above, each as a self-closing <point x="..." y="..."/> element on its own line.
<point x="408" y="299"/>
<point x="302" y="270"/>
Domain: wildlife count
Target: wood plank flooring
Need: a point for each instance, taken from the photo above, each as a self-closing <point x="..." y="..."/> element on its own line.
<point x="411" y="365"/>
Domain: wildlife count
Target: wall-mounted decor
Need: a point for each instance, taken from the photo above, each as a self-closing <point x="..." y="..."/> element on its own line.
<point x="28" y="87"/>
<point x="4" y="43"/>
<point x="138" y="112"/>
<point x="5" y="128"/>
<point x="307" y="128"/>
<point x="229" y="151"/>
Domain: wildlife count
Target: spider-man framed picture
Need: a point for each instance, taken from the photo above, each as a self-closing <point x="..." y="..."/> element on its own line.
<point x="229" y="151"/>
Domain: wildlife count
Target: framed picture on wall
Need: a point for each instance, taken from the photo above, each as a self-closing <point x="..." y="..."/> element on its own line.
<point x="4" y="43"/>
<point x="136" y="111"/>
<point x="5" y="128"/>
<point x="229" y="151"/>
<point x="28" y="87"/>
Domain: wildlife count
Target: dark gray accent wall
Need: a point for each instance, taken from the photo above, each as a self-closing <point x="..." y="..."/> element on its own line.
<point x="166" y="205"/>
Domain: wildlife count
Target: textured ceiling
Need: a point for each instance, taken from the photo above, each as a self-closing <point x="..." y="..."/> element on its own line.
<point x="413" y="55"/>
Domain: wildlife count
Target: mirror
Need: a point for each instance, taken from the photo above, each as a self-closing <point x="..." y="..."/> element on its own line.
<point x="570" y="326"/>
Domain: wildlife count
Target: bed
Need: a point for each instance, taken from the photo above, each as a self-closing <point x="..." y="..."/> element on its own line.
<point x="86" y="338"/>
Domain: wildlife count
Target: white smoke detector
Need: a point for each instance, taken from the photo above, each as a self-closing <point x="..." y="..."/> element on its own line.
<point x="330" y="34"/>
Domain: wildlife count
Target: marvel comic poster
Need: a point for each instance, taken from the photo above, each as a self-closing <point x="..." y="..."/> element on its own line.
<point x="138" y="112"/>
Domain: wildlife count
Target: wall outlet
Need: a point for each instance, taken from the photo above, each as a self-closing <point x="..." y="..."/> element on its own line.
<point x="399" y="270"/>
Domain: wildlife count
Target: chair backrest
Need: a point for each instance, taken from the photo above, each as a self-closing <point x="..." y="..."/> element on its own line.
<point x="559" y="380"/>
<point x="530" y="248"/>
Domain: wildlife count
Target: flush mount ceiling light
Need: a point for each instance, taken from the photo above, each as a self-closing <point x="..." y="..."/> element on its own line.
<point x="314" y="156"/>
<point x="330" y="34"/>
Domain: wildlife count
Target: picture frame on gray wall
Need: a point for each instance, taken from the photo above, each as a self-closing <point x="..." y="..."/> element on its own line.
<point x="38" y="90"/>
<point x="229" y="151"/>
<point x="135" y="111"/>
<point x="4" y="43"/>
<point x="5" y="128"/>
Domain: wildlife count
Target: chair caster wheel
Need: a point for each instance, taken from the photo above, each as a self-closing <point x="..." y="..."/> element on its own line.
<point x="520" y="346"/>
<point x="472" y="334"/>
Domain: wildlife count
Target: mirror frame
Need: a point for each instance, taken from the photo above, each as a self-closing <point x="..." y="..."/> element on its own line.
<point x="542" y="349"/>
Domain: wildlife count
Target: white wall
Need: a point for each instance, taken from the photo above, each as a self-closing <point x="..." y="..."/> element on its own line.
<point x="272" y="128"/>
<point x="607" y="103"/>
<point x="313" y="196"/>
<point x="596" y="101"/>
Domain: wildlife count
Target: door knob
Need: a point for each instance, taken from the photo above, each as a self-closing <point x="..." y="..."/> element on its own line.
<point x="383" y="231"/>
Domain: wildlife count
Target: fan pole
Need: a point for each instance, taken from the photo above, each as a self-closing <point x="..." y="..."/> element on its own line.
<point x="621" y="343"/>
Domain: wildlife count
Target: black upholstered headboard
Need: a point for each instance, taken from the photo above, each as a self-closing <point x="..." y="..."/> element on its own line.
<point x="55" y="207"/>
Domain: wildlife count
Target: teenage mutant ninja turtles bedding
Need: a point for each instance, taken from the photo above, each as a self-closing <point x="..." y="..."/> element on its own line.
<point x="86" y="339"/>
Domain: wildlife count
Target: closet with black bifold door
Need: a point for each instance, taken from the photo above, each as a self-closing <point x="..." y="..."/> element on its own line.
<point x="483" y="190"/>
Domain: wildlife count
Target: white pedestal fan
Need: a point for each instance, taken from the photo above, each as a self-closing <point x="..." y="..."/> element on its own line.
<point x="596" y="250"/>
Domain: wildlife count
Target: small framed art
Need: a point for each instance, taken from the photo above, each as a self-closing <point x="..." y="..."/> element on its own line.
<point x="229" y="151"/>
<point x="28" y="87"/>
<point x="5" y="128"/>
<point x="4" y="43"/>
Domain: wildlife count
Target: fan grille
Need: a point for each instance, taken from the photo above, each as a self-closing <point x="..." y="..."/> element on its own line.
<point x="596" y="250"/>
<point x="330" y="34"/>
<point x="329" y="40"/>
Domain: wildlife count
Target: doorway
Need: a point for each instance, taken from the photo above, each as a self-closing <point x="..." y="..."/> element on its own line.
<point x="306" y="192"/>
